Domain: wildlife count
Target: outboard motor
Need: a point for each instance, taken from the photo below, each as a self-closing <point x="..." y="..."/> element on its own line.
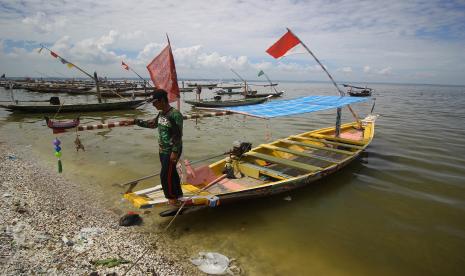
<point x="230" y="167"/>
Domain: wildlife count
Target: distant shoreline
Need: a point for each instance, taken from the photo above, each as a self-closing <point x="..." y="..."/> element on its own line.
<point x="251" y="80"/>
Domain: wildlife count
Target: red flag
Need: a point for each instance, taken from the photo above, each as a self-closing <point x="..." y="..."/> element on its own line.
<point x="163" y="73"/>
<point x="53" y="54"/>
<point x="287" y="42"/>
<point x="124" y="65"/>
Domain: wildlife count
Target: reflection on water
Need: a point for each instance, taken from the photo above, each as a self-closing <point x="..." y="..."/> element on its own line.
<point x="399" y="209"/>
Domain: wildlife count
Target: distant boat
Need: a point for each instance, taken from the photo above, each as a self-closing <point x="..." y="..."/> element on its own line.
<point x="50" y="108"/>
<point x="229" y="92"/>
<point x="357" y="91"/>
<point x="62" y="89"/>
<point x="264" y="95"/>
<point x="203" y="85"/>
<point x="124" y="94"/>
<point x="186" y="89"/>
<point x="227" y="103"/>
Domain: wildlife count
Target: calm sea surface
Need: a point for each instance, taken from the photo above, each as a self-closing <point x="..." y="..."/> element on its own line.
<point x="399" y="210"/>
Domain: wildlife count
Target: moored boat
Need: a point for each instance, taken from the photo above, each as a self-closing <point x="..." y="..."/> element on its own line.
<point x="50" y="108"/>
<point x="357" y="91"/>
<point x="270" y="168"/>
<point x="263" y="95"/>
<point x="226" y="103"/>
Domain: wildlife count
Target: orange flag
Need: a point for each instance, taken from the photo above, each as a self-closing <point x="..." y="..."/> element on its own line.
<point x="163" y="73"/>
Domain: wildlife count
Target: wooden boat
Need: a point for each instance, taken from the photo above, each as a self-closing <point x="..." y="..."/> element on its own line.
<point x="124" y="94"/>
<point x="360" y="93"/>
<point x="186" y="89"/>
<point x="272" y="168"/>
<point x="229" y="92"/>
<point x="42" y="108"/>
<point x="209" y="86"/>
<point x="61" y="126"/>
<point x="357" y="91"/>
<point x="227" y="103"/>
<point x="67" y="90"/>
<point x="263" y="95"/>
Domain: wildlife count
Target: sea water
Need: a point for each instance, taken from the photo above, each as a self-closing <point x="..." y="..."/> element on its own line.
<point x="398" y="210"/>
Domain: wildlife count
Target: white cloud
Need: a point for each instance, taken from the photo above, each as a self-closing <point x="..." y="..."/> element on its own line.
<point x="385" y="71"/>
<point x="346" y="70"/>
<point x="43" y="23"/>
<point x="366" y="69"/>
<point x="237" y="33"/>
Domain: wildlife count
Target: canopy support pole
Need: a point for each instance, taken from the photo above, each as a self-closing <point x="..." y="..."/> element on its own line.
<point x="338" y="122"/>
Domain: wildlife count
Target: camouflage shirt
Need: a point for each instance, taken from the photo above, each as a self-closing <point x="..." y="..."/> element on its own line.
<point x="169" y="130"/>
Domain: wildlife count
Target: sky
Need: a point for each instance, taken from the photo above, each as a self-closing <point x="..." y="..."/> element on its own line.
<point x="357" y="41"/>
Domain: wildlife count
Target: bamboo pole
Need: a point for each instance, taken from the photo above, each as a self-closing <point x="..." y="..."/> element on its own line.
<point x="330" y="77"/>
<point x="97" y="86"/>
<point x="74" y="65"/>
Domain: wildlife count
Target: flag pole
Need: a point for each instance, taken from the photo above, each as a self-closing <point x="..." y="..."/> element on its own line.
<point x="271" y="83"/>
<point x="334" y="83"/>
<point x="145" y="81"/>
<point x="77" y="67"/>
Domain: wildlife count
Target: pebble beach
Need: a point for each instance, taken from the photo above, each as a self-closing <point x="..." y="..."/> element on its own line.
<point x="51" y="226"/>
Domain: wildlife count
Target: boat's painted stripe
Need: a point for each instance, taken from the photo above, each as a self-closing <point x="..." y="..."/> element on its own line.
<point x="287" y="162"/>
<point x="148" y="190"/>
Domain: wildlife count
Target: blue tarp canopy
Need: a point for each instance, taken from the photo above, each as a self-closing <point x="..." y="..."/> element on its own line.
<point x="294" y="106"/>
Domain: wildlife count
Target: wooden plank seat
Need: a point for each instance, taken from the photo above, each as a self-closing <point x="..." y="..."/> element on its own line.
<point x="342" y="140"/>
<point x="324" y="158"/>
<point x="286" y="162"/>
<point x="316" y="147"/>
<point x="298" y="153"/>
<point x="255" y="171"/>
<point x="324" y="141"/>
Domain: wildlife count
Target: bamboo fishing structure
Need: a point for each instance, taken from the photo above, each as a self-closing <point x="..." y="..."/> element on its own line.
<point x="130" y="122"/>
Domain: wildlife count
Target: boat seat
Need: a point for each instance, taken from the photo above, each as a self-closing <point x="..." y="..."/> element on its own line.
<point x="286" y="162"/>
<point x="315" y="146"/>
<point x="324" y="141"/>
<point x="298" y="153"/>
<point x="253" y="170"/>
<point x="338" y="139"/>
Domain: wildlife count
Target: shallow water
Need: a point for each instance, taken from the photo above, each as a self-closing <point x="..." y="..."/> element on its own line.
<point x="398" y="210"/>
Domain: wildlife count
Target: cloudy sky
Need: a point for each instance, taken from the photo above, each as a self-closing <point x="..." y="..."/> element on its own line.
<point x="359" y="41"/>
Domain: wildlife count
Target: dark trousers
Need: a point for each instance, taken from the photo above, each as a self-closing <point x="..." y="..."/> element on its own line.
<point x="169" y="177"/>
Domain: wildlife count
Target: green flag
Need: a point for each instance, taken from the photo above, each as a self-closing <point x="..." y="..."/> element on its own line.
<point x="261" y="73"/>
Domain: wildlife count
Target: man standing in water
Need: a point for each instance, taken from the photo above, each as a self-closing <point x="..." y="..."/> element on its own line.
<point x="169" y="122"/>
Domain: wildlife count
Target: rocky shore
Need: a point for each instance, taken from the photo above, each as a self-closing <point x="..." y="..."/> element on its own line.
<point x="51" y="226"/>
